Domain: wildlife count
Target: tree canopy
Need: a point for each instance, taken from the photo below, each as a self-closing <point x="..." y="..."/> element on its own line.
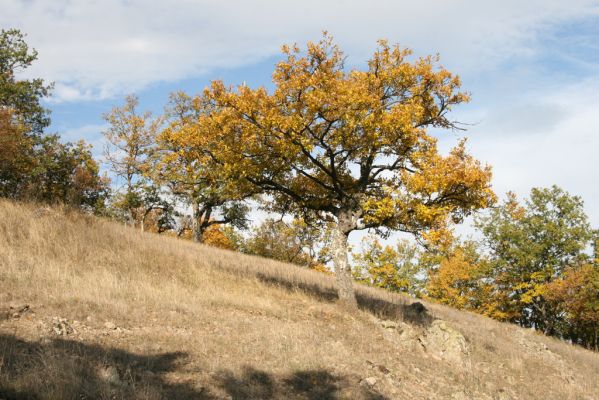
<point x="34" y="165"/>
<point x="21" y="96"/>
<point x="348" y="146"/>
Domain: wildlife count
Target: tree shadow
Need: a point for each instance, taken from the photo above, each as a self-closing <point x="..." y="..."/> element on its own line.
<point x="414" y="313"/>
<point x="253" y="384"/>
<point x="69" y="369"/>
<point x="317" y="291"/>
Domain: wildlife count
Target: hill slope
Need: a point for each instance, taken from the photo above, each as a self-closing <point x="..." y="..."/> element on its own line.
<point x="92" y="309"/>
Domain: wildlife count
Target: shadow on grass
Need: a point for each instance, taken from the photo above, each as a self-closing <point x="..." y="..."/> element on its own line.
<point x="254" y="384"/>
<point x="414" y="313"/>
<point x="68" y="369"/>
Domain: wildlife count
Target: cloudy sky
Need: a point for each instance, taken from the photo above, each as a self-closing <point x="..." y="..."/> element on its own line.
<point x="532" y="66"/>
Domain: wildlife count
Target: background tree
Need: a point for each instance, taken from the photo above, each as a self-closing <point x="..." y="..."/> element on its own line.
<point x="576" y="296"/>
<point x="460" y="281"/>
<point x="529" y="246"/>
<point x="395" y="268"/>
<point x="21" y="96"/>
<point x="131" y="139"/>
<point x="154" y="207"/>
<point x="33" y="165"/>
<point x="16" y="156"/>
<point x="68" y="173"/>
<point x="295" y="242"/>
<point x="347" y="146"/>
<point x="192" y="176"/>
<point x="216" y="236"/>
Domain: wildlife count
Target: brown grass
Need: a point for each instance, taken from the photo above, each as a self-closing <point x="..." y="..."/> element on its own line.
<point x="199" y="322"/>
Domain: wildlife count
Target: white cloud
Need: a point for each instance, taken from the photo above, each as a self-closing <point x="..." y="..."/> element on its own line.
<point x="531" y="134"/>
<point x="561" y="149"/>
<point x="97" y="49"/>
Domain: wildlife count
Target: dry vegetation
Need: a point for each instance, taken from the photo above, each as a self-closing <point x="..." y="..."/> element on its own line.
<point x="115" y="313"/>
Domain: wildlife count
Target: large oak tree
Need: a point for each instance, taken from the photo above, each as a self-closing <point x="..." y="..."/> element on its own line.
<point x="348" y="146"/>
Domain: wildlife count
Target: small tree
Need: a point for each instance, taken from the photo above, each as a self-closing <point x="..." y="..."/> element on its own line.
<point x="395" y="268"/>
<point x="131" y="139"/>
<point x="295" y="242"/>
<point x="459" y="280"/>
<point x="347" y="146"/>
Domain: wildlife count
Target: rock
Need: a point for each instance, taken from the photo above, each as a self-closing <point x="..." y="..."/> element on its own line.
<point x="109" y="374"/>
<point x="14" y="311"/>
<point x="378" y="367"/>
<point x="109" y="325"/>
<point x="383" y="369"/>
<point x="61" y="327"/>
<point x="445" y="342"/>
<point x="370" y="381"/>
<point x="389" y="324"/>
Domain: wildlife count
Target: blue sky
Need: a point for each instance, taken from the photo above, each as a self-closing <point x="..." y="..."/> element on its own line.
<point x="532" y="67"/>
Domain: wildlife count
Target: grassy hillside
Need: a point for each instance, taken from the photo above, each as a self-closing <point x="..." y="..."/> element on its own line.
<point x="91" y="309"/>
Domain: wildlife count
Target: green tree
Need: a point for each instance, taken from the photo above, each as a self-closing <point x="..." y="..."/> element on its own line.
<point x="67" y="173"/>
<point x="530" y="246"/>
<point x="33" y="165"/>
<point x="21" y="96"/>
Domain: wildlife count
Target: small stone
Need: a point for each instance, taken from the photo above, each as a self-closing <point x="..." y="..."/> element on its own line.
<point x="109" y="325"/>
<point x="383" y="369"/>
<point x="370" y="381"/>
<point x="16" y="311"/>
<point x="61" y="326"/>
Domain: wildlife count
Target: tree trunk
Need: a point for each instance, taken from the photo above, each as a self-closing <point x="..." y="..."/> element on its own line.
<point x="343" y="273"/>
<point x="130" y="217"/>
<point x="144" y="217"/>
<point x="196" y="224"/>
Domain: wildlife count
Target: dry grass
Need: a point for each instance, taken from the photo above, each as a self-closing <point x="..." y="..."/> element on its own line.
<point x="198" y="322"/>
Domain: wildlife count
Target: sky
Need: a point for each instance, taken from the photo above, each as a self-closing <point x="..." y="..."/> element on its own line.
<point x="532" y="67"/>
